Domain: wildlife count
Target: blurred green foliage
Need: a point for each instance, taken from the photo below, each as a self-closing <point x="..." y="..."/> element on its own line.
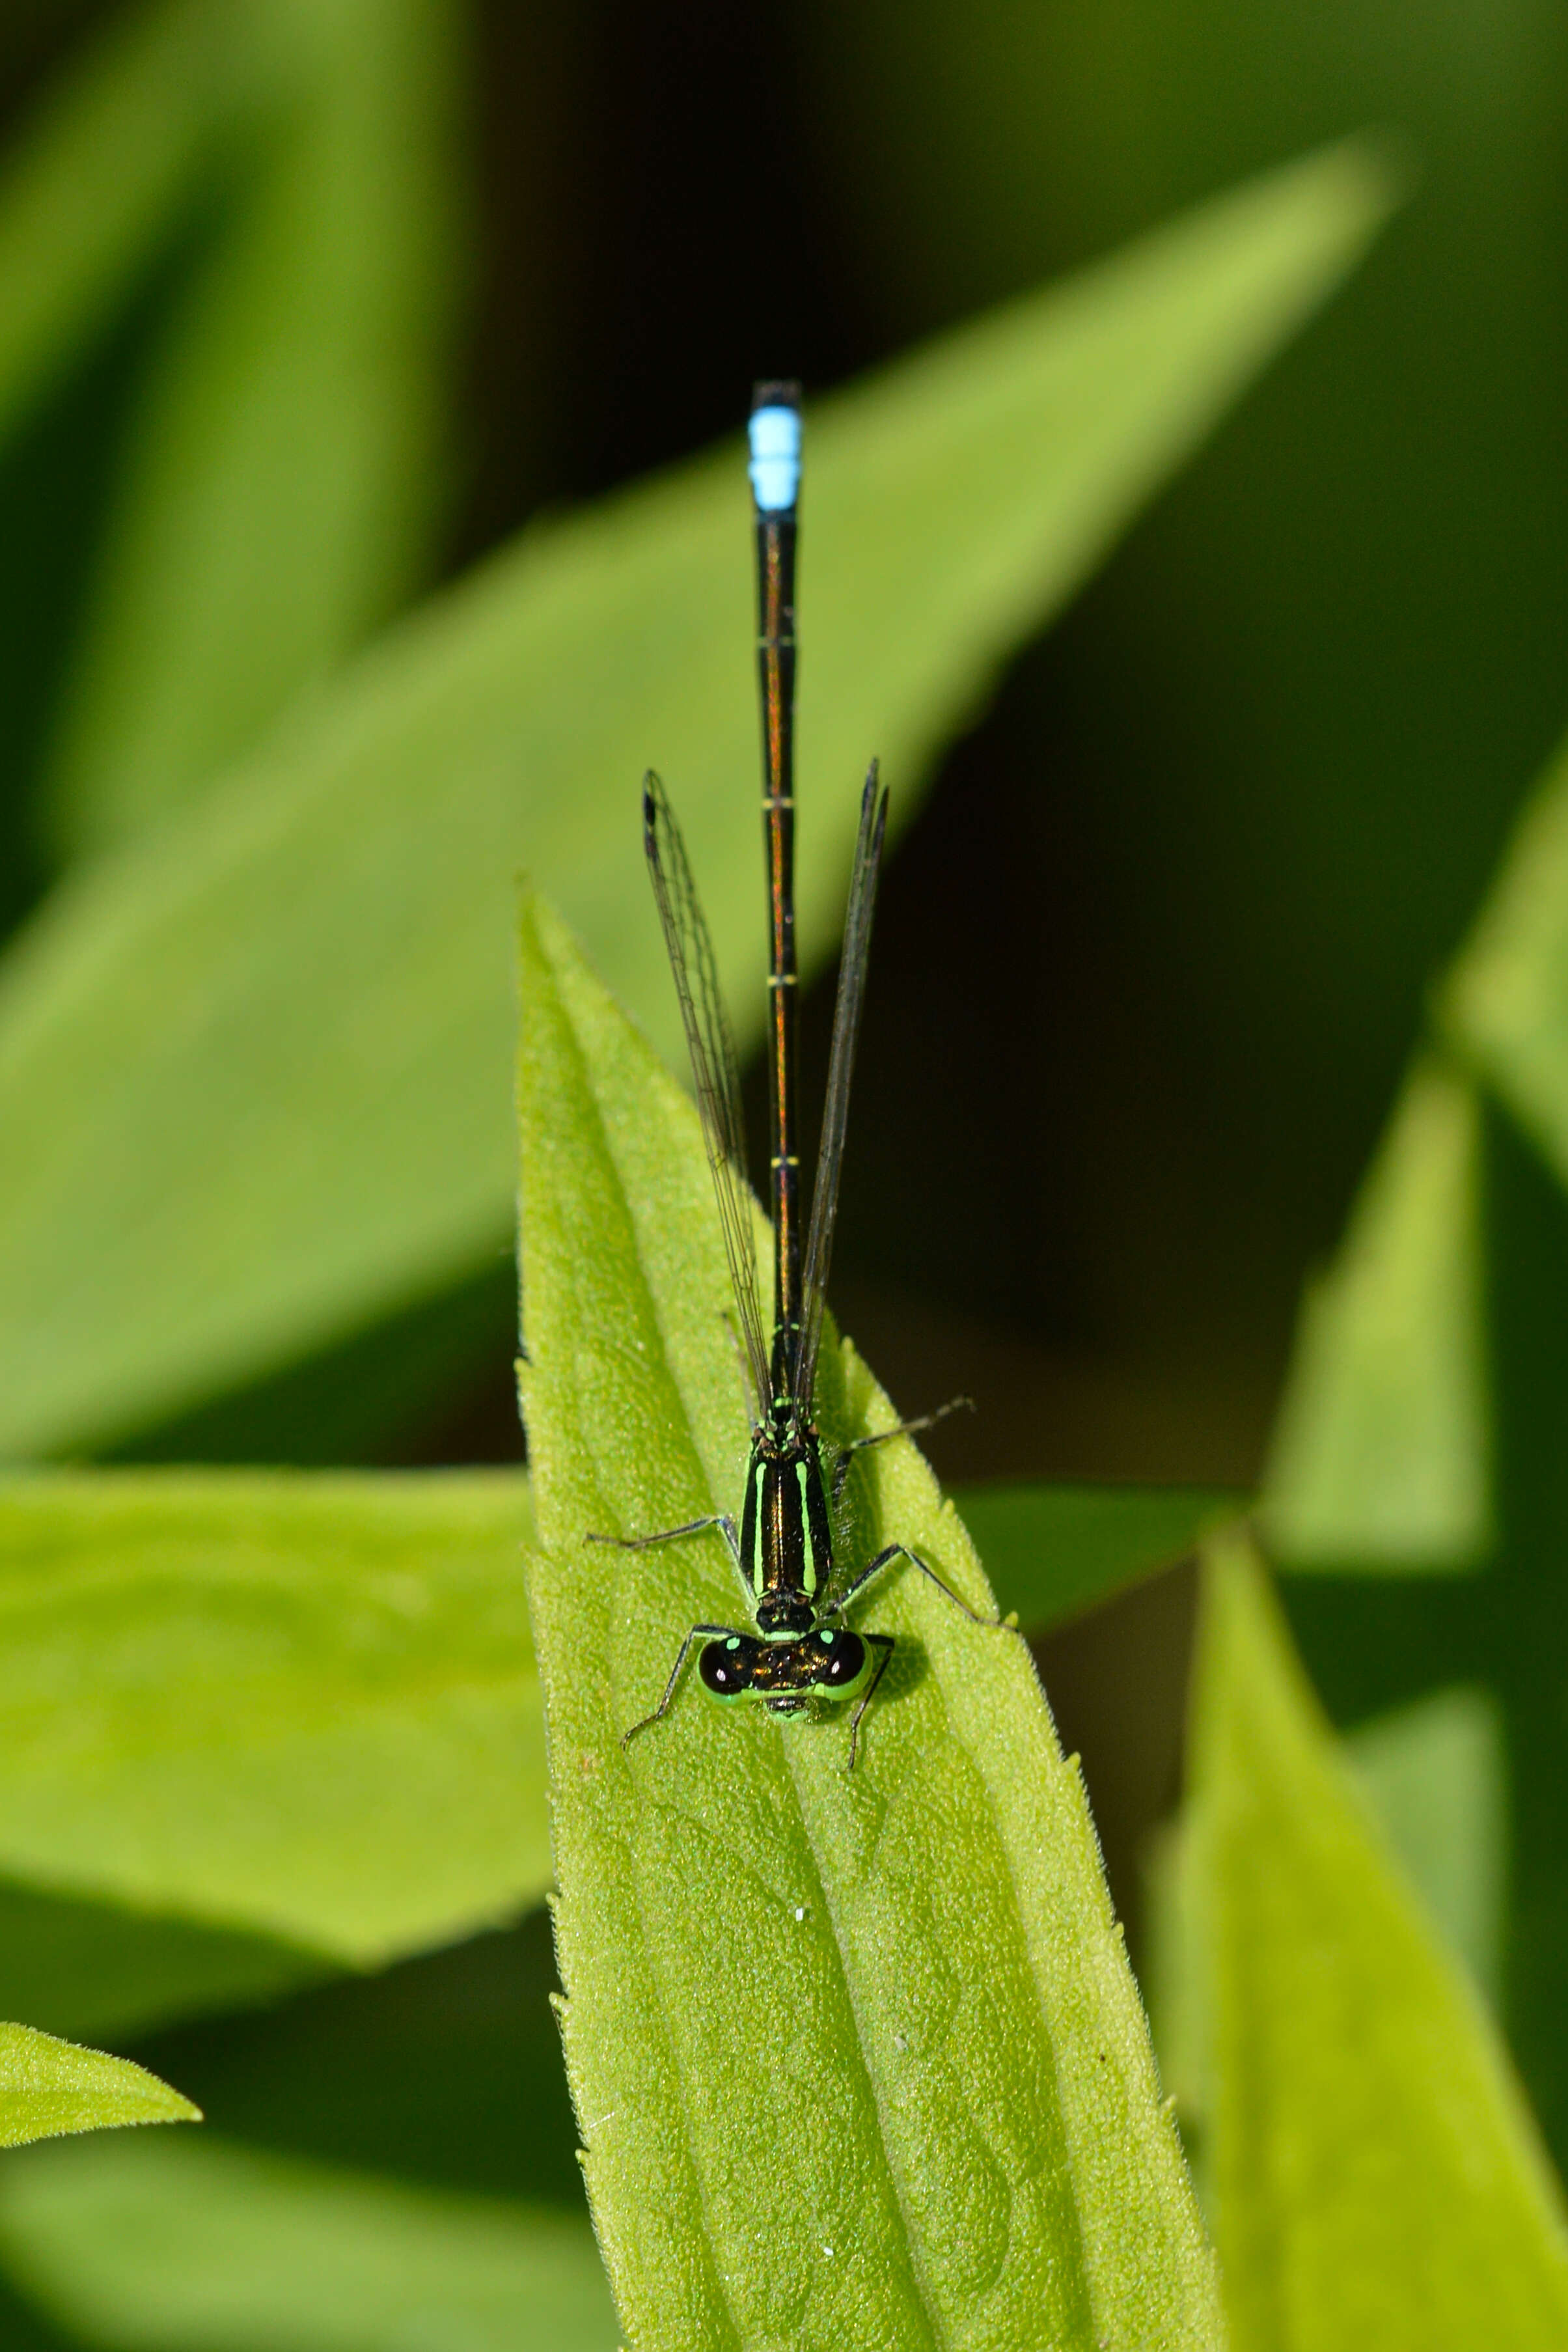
<point x="223" y="2245"/>
<point x="1444" y="1321"/>
<point x="304" y="306"/>
<point x="338" y="1661"/>
<point x="1289" y="728"/>
<point x="260" y="1054"/>
<point x="1370" y="2171"/>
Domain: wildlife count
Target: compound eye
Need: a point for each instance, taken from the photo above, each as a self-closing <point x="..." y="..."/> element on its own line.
<point x="726" y="1667"/>
<point x="841" y="1659"/>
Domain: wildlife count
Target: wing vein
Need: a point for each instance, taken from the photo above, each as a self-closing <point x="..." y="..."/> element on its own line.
<point x="841" y="1069"/>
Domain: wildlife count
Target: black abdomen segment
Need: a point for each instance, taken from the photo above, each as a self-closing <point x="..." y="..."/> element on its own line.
<point x="774" y="479"/>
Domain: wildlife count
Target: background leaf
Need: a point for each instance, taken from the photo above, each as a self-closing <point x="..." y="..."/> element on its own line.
<point x="1305" y="698"/>
<point x="1503" y="1001"/>
<point x="95" y="183"/>
<point x="251" y="1070"/>
<point x="301" y="1706"/>
<point x="1444" y="1331"/>
<point x="1382" y="1452"/>
<point x="1436" y="1777"/>
<point x="1373" y="2175"/>
<point x="1052" y="1552"/>
<point x="50" y="2087"/>
<point x="241" y="2250"/>
<point x="104" y="1970"/>
<point x="443" y="2069"/>
<point x="286" y="465"/>
<point x="967" y="2149"/>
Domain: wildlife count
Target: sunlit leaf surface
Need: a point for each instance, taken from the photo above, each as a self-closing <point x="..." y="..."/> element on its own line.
<point x="901" y="1991"/>
<point x="301" y="1706"/>
<point x="264" y="2253"/>
<point x="1373" y="2174"/>
<point x="254" y="1069"/>
<point x="48" y="2088"/>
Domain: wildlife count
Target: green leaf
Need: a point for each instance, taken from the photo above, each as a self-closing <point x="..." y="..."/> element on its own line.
<point x="286" y="465"/>
<point x="1375" y="2177"/>
<point x="253" y="1069"/>
<point x="1052" y="1552"/>
<point x="901" y="1993"/>
<point x="445" y="2067"/>
<point x="1434" y="1773"/>
<point x="101" y="1971"/>
<point x="376" y="1397"/>
<point x="1381" y="1458"/>
<point x="223" y="2246"/>
<point x="302" y="1705"/>
<point x="50" y="2087"/>
<point x="1505" y="1003"/>
<point x="1464" y="1446"/>
<point x="94" y="183"/>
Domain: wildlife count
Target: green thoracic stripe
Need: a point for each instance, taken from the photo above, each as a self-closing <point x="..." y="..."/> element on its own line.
<point x="757" y="1545"/>
<point x="803" y="1475"/>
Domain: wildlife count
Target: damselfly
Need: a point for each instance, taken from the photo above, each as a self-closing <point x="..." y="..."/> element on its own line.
<point x="801" y="1651"/>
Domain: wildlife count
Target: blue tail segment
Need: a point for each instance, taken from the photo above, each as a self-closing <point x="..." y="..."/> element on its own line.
<point x="775" y="467"/>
